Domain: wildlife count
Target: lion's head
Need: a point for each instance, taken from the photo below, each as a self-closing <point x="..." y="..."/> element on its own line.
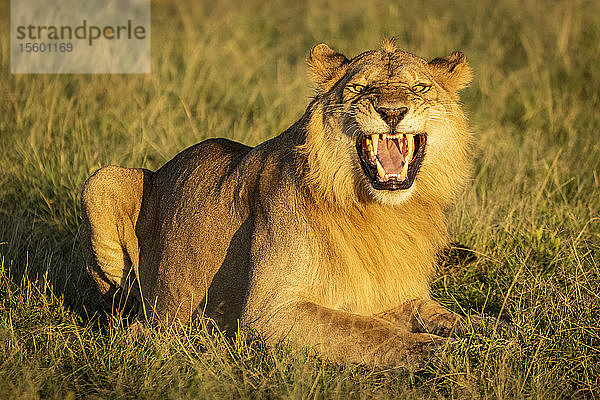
<point x="386" y="125"/>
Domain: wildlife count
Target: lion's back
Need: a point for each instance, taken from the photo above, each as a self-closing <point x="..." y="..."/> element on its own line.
<point x="187" y="227"/>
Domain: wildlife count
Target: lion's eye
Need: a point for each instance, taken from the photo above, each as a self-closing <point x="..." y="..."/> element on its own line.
<point x="356" y="88"/>
<point x="420" y="88"/>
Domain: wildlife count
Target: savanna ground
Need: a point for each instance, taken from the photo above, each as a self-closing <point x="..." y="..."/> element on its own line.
<point x="236" y="69"/>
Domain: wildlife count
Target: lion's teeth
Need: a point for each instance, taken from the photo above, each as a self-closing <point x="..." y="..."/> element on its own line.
<point x="411" y="146"/>
<point x="380" y="170"/>
<point x="404" y="170"/>
<point x="375" y="140"/>
<point x="384" y="136"/>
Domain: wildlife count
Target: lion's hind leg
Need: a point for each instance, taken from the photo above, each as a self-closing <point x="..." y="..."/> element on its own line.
<point x="110" y="205"/>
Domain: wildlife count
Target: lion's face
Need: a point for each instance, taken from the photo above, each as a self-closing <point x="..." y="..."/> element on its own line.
<point x="388" y="110"/>
<point x="397" y="117"/>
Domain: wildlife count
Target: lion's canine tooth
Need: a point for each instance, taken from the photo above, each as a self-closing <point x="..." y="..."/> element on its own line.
<point x="380" y="170"/>
<point x="411" y="146"/>
<point x="404" y="170"/>
<point x="384" y="136"/>
<point x="375" y="140"/>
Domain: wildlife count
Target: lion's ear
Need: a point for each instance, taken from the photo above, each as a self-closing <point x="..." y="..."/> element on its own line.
<point x="452" y="72"/>
<point x="326" y="66"/>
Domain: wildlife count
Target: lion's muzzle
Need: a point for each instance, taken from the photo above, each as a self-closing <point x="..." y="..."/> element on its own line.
<point x="391" y="162"/>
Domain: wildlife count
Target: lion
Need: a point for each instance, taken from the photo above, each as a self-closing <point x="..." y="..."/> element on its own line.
<point x="325" y="236"/>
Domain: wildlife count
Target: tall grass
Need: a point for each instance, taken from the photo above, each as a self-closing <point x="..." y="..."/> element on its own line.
<point x="531" y="212"/>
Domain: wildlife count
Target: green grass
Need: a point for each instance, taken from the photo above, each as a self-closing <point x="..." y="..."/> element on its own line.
<point x="532" y="210"/>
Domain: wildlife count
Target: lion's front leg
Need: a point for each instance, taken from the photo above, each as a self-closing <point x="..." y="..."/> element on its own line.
<point x="426" y="315"/>
<point x="343" y="336"/>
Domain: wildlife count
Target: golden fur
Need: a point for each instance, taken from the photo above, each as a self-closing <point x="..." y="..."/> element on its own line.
<point x="292" y="238"/>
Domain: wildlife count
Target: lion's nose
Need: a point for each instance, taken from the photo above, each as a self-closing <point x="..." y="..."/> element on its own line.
<point x="392" y="115"/>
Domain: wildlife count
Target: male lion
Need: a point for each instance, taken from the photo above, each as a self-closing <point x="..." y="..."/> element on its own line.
<point x="325" y="235"/>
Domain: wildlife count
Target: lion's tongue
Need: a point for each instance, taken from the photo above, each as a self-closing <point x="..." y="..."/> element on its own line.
<point x="390" y="155"/>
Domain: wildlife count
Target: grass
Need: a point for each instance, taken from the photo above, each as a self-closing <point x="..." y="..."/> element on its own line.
<point x="532" y="210"/>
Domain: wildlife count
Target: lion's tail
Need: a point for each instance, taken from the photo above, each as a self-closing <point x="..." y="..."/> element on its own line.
<point x="110" y="206"/>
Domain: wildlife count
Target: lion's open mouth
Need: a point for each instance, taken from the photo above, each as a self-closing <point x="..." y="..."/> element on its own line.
<point x="391" y="162"/>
